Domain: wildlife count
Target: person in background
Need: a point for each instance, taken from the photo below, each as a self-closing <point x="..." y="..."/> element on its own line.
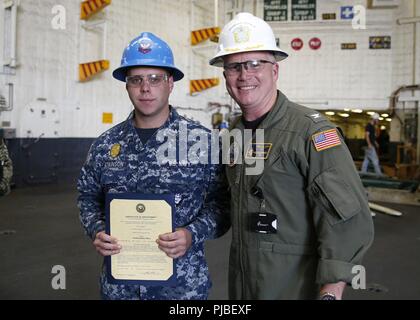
<point x="371" y="155"/>
<point x="6" y="167"/>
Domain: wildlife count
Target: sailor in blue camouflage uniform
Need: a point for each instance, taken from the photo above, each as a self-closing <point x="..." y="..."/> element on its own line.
<point x="127" y="158"/>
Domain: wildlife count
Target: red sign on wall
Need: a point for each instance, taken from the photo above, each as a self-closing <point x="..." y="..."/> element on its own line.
<point x="297" y="44"/>
<point x="315" y="43"/>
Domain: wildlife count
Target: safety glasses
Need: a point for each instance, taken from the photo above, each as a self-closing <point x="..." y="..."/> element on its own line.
<point x="250" y="66"/>
<point x="153" y="80"/>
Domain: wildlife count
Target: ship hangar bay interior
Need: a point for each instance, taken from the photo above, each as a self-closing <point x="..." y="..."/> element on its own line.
<point x="360" y="60"/>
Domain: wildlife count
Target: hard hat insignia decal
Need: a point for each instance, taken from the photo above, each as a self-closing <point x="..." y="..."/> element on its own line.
<point x="241" y="34"/>
<point x="145" y="45"/>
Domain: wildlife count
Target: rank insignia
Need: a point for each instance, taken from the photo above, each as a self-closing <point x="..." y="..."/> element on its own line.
<point x="115" y="150"/>
<point x="326" y="139"/>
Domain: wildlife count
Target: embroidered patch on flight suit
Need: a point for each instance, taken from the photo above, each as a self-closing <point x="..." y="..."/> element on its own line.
<point x="326" y="139"/>
<point x="115" y="150"/>
<point x="258" y="151"/>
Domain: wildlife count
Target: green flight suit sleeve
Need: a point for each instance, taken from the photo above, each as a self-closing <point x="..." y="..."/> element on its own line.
<point x="340" y="209"/>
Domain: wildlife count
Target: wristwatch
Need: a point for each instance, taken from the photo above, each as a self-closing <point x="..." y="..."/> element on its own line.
<point x="328" y="296"/>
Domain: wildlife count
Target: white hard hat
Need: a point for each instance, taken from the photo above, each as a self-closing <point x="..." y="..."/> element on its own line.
<point x="246" y="33"/>
<point x="375" y="116"/>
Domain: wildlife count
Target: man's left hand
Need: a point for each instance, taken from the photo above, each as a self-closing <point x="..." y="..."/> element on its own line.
<point x="335" y="288"/>
<point x="175" y="244"/>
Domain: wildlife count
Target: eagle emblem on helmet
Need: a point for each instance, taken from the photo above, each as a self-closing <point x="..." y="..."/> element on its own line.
<point x="241" y="34"/>
<point x="145" y="45"/>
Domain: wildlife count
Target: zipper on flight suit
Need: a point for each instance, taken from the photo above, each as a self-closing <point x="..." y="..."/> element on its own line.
<point x="262" y="205"/>
<point x="243" y="191"/>
<point x="241" y="264"/>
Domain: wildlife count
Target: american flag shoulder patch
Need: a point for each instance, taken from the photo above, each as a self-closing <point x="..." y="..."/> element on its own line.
<point x="326" y="139"/>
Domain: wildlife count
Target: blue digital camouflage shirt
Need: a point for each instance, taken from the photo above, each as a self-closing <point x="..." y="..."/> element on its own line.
<point x="119" y="162"/>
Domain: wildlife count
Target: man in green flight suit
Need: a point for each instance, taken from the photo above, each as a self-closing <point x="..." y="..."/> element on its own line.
<point x="301" y="226"/>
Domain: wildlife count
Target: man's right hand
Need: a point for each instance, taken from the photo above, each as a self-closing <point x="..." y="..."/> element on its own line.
<point x="106" y="245"/>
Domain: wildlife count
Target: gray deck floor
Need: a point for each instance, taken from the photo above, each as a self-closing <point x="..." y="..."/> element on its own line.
<point x="45" y="231"/>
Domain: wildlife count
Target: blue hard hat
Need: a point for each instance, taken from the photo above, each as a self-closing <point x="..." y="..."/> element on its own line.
<point x="149" y="51"/>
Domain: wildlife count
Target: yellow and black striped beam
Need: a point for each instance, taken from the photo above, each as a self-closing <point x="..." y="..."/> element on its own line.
<point x="203" y="84"/>
<point x="89" y="69"/>
<point x="201" y="35"/>
<point x="90" y="7"/>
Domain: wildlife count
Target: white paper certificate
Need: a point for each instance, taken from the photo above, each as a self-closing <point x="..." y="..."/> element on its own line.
<point x="137" y="224"/>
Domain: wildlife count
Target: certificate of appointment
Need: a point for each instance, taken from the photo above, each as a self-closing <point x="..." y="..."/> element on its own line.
<point x="137" y="220"/>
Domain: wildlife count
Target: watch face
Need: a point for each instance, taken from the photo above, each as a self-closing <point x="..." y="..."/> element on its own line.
<point x="328" y="296"/>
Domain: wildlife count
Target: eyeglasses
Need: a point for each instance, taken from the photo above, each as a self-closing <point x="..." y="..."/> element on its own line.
<point x="250" y="66"/>
<point x="153" y="80"/>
